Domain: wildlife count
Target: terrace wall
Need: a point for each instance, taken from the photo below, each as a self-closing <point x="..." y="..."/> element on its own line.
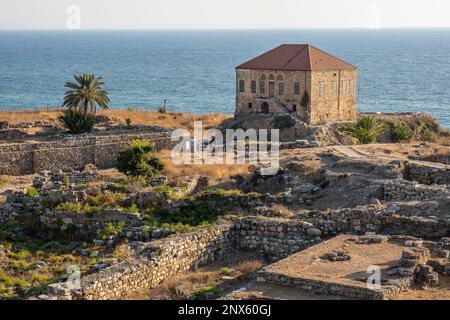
<point x="72" y="153"/>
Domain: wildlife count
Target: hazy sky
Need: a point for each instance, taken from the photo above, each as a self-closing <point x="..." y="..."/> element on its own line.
<point x="150" y="14"/>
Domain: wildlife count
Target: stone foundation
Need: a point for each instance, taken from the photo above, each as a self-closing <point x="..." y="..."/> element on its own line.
<point x="404" y="190"/>
<point x="427" y="175"/>
<point x="71" y="153"/>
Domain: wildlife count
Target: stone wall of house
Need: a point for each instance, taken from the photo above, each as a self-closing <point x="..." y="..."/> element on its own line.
<point x="428" y="174"/>
<point x="72" y="153"/>
<point x="333" y="105"/>
<point x="404" y="190"/>
<point x="338" y="104"/>
<point x="289" y="98"/>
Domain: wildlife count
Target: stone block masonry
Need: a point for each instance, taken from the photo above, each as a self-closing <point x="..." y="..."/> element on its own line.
<point x="403" y="190"/>
<point x="72" y="153"/>
<point x="428" y="174"/>
<point x="277" y="238"/>
<point x="158" y="261"/>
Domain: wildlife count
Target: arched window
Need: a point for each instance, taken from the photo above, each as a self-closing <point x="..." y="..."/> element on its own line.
<point x="272" y="77"/>
<point x="280" y="85"/>
<point x="262" y="84"/>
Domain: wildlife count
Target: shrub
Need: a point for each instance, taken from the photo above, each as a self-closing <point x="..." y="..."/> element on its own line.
<point x="226" y="271"/>
<point x="209" y="288"/>
<point x="32" y="192"/>
<point x="77" y="122"/>
<point x="140" y="160"/>
<point x="366" y="130"/>
<point x="429" y="136"/>
<point x="400" y="132"/>
<point x="69" y="207"/>
<point x="131" y="209"/>
<point x="128" y="122"/>
<point x="283" y="122"/>
<point x="111" y="229"/>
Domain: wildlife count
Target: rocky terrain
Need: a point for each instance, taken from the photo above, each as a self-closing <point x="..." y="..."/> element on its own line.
<point x="173" y="236"/>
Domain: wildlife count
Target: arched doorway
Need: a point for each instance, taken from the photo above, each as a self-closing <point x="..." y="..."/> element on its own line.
<point x="265" y="108"/>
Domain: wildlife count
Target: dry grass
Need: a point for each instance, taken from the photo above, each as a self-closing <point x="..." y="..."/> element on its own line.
<point x="172" y="120"/>
<point x="246" y="267"/>
<point x="282" y="210"/>
<point x="216" y="172"/>
<point x="183" y="285"/>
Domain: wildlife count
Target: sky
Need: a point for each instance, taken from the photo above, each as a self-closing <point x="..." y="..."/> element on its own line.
<point x="222" y="14"/>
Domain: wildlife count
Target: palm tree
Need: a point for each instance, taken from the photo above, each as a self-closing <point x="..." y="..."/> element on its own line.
<point x="85" y="94"/>
<point x="366" y="130"/>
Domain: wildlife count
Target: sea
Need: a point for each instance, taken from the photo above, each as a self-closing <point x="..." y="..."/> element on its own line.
<point x="399" y="70"/>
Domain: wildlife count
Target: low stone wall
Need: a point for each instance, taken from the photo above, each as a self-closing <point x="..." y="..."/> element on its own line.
<point x="72" y="153"/>
<point x="160" y="260"/>
<point x="277" y="238"/>
<point x="427" y="175"/>
<point x="17" y="204"/>
<point x="336" y="289"/>
<point x="379" y="219"/>
<point x="404" y="190"/>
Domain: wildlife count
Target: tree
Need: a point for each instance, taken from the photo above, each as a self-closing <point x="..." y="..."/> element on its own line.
<point x="305" y="100"/>
<point x="139" y="159"/>
<point x="85" y="94"/>
<point x="366" y="130"/>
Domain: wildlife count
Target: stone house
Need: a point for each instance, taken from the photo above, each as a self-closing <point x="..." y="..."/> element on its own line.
<point x="297" y="79"/>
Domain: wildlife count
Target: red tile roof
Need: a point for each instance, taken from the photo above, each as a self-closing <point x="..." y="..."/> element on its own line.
<point x="298" y="57"/>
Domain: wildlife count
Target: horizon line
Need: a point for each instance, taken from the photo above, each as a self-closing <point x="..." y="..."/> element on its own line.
<point x="230" y="28"/>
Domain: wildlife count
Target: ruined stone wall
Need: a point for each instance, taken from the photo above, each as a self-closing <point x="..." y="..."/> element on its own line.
<point x="160" y="260"/>
<point x="404" y="190"/>
<point x="428" y="175"/>
<point x="72" y="153"/>
<point x="338" y="105"/>
<point x="335" y="289"/>
<point x="278" y="238"/>
<point x="379" y="219"/>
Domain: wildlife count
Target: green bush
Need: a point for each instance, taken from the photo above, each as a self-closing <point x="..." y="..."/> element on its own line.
<point x="139" y="159"/>
<point x="209" y="288"/>
<point x="283" y="122"/>
<point x="400" y="132"/>
<point x="77" y="122"/>
<point x="366" y="130"/>
<point x="429" y="136"/>
<point x="69" y="207"/>
<point x="32" y="192"/>
<point x="226" y="271"/>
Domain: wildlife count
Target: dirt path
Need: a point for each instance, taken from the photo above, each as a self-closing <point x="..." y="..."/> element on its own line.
<point x="353" y="152"/>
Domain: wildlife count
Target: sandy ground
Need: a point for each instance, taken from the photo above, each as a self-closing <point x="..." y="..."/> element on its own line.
<point x="268" y="291"/>
<point x="307" y="264"/>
